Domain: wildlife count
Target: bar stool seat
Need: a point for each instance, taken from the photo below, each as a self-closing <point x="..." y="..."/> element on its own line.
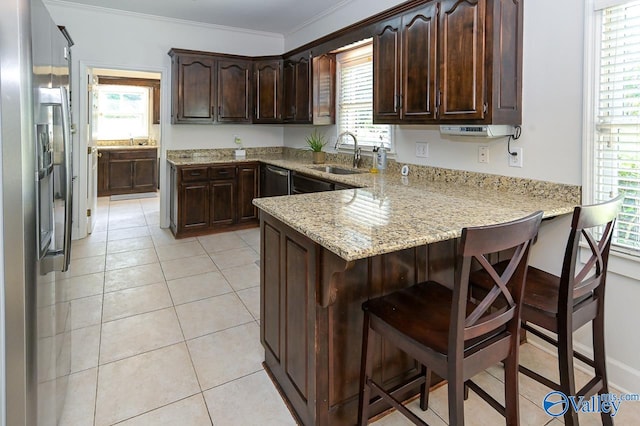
<point x="446" y="332"/>
<point x="423" y="313"/>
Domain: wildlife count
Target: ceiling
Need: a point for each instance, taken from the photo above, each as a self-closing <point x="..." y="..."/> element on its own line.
<point x="274" y="16"/>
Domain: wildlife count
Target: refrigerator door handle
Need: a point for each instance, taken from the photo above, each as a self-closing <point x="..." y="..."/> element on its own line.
<point x="68" y="177"/>
<point x="59" y="259"/>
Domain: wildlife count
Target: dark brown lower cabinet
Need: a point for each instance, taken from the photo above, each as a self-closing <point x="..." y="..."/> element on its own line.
<point x="311" y="318"/>
<point x="223" y="203"/>
<point x="207" y="198"/>
<point x="194" y="206"/>
<point x="248" y="188"/>
<point x="127" y="171"/>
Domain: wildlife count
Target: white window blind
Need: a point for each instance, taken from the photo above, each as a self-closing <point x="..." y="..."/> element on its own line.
<point x="355" y="99"/>
<point x="617" y="132"/>
<point x="123" y="112"/>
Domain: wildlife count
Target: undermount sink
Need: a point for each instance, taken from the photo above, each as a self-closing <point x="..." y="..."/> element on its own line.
<point x="337" y="170"/>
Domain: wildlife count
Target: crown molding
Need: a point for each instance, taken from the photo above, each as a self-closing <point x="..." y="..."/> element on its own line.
<point x="105" y="10"/>
<point x="318" y="17"/>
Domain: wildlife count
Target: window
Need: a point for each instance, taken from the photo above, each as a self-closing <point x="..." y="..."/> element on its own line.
<point x="123" y="112"/>
<point x="355" y="99"/>
<point x="613" y="123"/>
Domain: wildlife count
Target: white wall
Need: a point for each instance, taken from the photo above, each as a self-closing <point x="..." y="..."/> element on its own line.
<point x="110" y="39"/>
<point x="551" y="141"/>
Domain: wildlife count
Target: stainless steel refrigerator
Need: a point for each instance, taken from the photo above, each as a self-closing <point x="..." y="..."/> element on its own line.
<point x="36" y="174"/>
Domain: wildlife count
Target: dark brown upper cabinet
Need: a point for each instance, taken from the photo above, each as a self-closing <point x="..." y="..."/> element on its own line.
<point x="193" y="88"/>
<point x="209" y="88"/>
<point x="324" y="89"/>
<point x="234" y="91"/>
<point x="450" y="61"/>
<point x="297" y="89"/>
<point x="386" y="71"/>
<point x="267" y="95"/>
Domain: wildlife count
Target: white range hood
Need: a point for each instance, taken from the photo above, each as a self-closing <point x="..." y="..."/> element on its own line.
<point x="477" y="130"/>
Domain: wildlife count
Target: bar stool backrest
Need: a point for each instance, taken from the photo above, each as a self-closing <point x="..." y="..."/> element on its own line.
<point x="476" y="243"/>
<point x="577" y="281"/>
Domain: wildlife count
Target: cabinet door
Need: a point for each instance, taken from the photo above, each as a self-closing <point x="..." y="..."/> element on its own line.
<point x="297" y="90"/>
<point x="120" y="175"/>
<point x="303" y="91"/>
<point x="223" y="203"/>
<point x="194" y="89"/>
<point x="267" y="96"/>
<point x="173" y="199"/>
<point x="386" y="72"/>
<point x="324" y="89"/>
<point x="156" y="104"/>
<point x="462" y="64"/>
<point x="193" y="206"/>
<point x="289" y="90"/>
<point x="234" y="91"/>
<point x="103" y="173"/>
<point x="145" y="175"/>
<point x="419" y="44"/>
<point x="248" y="184"/>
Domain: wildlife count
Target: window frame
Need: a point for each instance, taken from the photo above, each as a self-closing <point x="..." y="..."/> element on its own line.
<point x="356" y="54"/>
<point x="146" y="93"/>
<point x="623" y="261"/>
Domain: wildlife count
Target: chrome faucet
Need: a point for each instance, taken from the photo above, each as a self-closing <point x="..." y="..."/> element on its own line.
<point x="356" y="150"/>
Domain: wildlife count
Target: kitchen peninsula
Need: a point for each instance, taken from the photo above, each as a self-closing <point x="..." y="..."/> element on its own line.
<point x="323" y="254"/>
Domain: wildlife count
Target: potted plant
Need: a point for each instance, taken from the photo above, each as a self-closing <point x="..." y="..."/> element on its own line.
<point x="316" y="142"/>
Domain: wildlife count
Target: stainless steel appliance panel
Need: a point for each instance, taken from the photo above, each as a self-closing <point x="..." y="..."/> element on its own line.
<point x="35" y="167"/>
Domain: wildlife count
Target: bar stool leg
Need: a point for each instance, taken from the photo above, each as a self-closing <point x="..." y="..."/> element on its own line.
<point x="365" y="374"/>
<point x="565" y="361"/>
<point x="599" y="359"/>
<point x="511" y="394"/>
<point x="424" y="389"/>
<point x="456" y="395"/>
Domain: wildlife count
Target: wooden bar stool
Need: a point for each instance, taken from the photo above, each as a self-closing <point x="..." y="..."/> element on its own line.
<point x="445" y="332"/>
<point x="562" y="304"/>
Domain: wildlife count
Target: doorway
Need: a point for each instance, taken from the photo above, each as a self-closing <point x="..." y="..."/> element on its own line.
<point x="123" y="136"/>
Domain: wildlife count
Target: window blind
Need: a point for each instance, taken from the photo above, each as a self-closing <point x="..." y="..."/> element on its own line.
<point x="617" y="133"/>
<point x="355" y="99"/>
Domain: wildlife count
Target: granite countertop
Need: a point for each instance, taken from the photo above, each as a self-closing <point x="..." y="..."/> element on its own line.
<point x="389" y="212"/>
<point x="125" y="147"/>
<point x="391" y="215"/>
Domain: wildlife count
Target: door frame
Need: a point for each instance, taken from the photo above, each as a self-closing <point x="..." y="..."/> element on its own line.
<point x="80" y="110"/>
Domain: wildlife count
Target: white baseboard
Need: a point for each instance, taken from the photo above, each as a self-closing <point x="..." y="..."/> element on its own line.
<point x="622" y="377"/>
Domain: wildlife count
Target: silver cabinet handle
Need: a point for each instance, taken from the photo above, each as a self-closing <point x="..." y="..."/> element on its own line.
<point x="278" y="172"/>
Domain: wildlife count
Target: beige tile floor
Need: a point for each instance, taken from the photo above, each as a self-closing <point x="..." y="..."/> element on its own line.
<point x="166" y="332"/>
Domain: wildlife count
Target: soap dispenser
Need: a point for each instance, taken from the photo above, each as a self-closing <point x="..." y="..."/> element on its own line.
<point x="381" y="157"/>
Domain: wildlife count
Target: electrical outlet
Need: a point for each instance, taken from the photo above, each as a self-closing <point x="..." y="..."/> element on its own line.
<point x="422" y="149"/>
<point x="516" y="160"/>
<point x="483" y="154"/>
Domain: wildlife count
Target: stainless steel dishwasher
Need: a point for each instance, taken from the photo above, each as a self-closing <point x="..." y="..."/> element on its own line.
<point x="275" y="181"/>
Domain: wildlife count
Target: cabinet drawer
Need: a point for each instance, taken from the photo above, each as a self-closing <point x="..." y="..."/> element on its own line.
<point x="222" y="172"/>
<point x="194" y="174"/>
<point x="132" y="154"/>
